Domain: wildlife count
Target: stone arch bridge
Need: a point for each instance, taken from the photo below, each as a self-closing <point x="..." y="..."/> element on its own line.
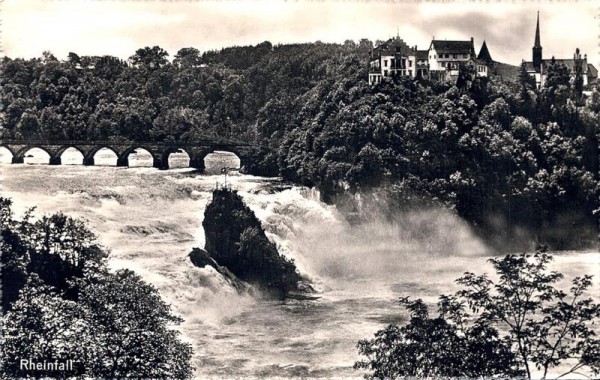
<point x="160" y="152"/>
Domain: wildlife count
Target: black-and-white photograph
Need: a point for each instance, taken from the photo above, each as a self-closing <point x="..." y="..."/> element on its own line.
<point x="299" y="189"/>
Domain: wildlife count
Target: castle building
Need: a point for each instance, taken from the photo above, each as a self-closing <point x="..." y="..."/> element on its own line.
<point x="538" y="67"/>
<point x="393" y="58"/>
<point x="440" y="62"/>
<point x="447" y="57"/>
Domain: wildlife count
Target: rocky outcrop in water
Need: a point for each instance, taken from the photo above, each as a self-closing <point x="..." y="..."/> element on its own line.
<point x="201" y="259"/>
<point x="236" y="241"/>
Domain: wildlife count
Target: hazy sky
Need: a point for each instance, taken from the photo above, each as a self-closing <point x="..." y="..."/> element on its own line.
<point x="120" y="27"/>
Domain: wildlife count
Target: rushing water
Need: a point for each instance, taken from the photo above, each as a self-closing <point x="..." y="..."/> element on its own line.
<point x="151" y="219"/>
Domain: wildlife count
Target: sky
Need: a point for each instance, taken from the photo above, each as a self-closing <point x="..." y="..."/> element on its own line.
<point x="120" y="27"/>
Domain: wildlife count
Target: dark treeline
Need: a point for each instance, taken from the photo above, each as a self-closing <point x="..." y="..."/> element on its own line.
<point x="214" y="94"/>
<point x="505" y="155"/>
<point x="517" y="162"/>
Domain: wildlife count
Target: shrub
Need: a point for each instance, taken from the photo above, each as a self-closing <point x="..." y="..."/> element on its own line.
<point x="520" y="324"/>
<point x="65" y="305"/>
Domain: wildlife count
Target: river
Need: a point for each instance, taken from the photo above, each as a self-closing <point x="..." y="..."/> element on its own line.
<point x="151" y="219"/>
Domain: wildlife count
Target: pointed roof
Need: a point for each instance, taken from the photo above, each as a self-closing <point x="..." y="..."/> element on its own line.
<point x="484" y="54"/>
<point x="537" y="32"/>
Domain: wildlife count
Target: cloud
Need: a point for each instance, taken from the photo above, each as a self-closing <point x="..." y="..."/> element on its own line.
<point x="120" y="27"/>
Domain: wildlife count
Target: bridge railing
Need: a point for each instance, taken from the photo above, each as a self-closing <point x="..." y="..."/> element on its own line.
<point x="125" y="143"/>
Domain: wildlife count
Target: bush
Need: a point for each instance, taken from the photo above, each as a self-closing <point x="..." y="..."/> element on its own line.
<point x="514" y="327"/>
<point x="65" y="305"/>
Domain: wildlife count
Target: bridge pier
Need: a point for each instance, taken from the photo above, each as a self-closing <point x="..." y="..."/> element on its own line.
<point x="197" y="163"/>
<point x="123" y="161"/>
<point x="88" y="161"/>
<point x="160" y="163"/>
<point x="54" y="161"/>
<point x="18" y="160"/>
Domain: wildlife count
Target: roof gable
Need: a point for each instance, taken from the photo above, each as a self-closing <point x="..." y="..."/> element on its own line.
<point x="592" y="71"/>
<point x="393" y="46"/>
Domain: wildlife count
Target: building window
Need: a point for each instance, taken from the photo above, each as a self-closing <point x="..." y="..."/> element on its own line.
<point x="385" y="73"/>
<point x="409" y="63"/>
<point x="385" y="62"/>
<point x="410" y="73"/>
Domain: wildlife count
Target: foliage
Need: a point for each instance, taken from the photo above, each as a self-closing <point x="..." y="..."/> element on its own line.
<point x="312" y="118"/>
<point x="56" y="248"/>
<point x="236" y="240"/>
<point x="199" y="95"/>
<point x="521" y="325"/>
<point x="61" y="303"/>
<point x="435" y="347"/>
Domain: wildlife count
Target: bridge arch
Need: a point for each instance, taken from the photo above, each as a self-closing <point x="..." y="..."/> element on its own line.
<point x="215" y="160"/>
<point x="124" y="157"/>
<point x="74" y="156"/>
<point x="27" y="155"/>
<point x="176" y="158"/>
<point x="91" y="159"/>
<point x="6" y="155"/>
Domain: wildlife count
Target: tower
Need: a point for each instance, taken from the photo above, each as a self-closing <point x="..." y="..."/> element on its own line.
<point x="484" y="54"/>
<point x="537" y="48"/>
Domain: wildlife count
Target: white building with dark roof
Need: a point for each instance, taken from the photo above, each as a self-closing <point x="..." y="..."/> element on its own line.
<point x="393" y="58"/>
<point x="447" y="55"/>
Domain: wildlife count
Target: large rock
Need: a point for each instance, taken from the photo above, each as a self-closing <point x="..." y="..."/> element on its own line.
<point x="201" y="259"/>
<point x="236" y="240"/>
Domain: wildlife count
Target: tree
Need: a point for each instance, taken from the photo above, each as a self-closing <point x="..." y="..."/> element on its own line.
<point x="131" y="329"/>
<point x="435" y="347"/>
<point x="149" y="57"/>
<point x="117" y="328"/>
<point x="61" y="303"/>
<point x="44" y="327"/>
<point x="368" y="170"/>
<point x="521" y="323"/>
<point x="187" y="58"/>
<point x="526" y="80"/>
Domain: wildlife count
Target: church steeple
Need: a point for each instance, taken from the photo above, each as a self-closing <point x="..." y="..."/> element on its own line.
<point x="537" y="47"/>
<point x="537" y="32"/>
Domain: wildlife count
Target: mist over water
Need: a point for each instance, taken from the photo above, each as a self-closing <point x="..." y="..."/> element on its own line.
<point x="151" y="220"/>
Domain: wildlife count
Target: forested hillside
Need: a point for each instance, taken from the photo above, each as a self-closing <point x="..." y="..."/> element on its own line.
<point x="504" y="155"/>
<point x="150" y="98"/>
